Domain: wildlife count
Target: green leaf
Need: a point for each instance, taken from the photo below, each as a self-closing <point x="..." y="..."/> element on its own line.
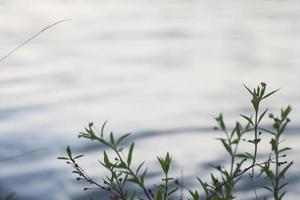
<point x="267" y="95"/>
<point x="238" y="129"/>
<point x="122" y="165"/>
<point x="172" y="191"/>
<point x="282" y="128"/>
<point x="159" y="195"/>
<point x="267" y="188"/>
<point x="284" y="149"/>
<point x="69" y="152"/>
<point x="285" y="112"/>
<point x="143" y="176"/>
<point x="262" y="115"/>
<point x="266" y="130"/>
<point x="139" y="167"/>
<point x="270" y="174"/>
<point x="227" y="146"/>
<point x="162" y="164"/>
<point x="255" y="104"/>
<point x="106" y="160"/>
<point x="282" y="186"/>
<point x="280" y="197"/>
<point x="195" y="195"/>
<point x="129" y="158"/>
<point x="62" y="158"/>
<point x="273" y="144"/>
<point x="111" y="138"/>
<point x="214" y="179"/>
<point x="220" y="121"/>
<point x="79" y="156"/>
<point x="165" y="163"/>
<point x="248" y="89"/>
<point x="102" y="129"/>
<point x="204" y="186"/>
<point x="122" y="138"/>
<point x="283" y="171"/>
<point x="258" y="91"/>
<point x="245" y="155"/>
<point x="133" y="180"/>
<point x="248" y="119"/>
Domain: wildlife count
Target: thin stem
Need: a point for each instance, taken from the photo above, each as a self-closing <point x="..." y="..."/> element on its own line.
<point x="233" y="159"/>
<point x="255" y="143"/>
<point x="22" y="154"/>
<point x="85" y="176"/>
<point x="31" y="38"/>
<point x="253" y="186"/>
<point x="214" y="190"/>
<point x="276" y="185"/>
<point x="133" y="175"/>
<point x="166" y="186"/>
<point x="120" y="188"/>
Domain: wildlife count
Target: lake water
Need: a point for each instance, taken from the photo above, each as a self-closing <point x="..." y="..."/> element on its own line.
<point x="159" y="69"/>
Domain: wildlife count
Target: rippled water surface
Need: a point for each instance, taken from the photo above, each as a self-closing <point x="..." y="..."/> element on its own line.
<point x="159" y="69"/>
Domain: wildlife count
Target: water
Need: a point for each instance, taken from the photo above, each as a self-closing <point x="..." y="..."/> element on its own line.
<point x="159" y="69"/>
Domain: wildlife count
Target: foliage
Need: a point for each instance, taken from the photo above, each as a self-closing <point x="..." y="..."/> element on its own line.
<point x="277" y="179"/>
<point x="221" y="186"/>
<point x="8" y="197"/>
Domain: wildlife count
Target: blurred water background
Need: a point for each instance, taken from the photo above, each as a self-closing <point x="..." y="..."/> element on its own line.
<point x="161" y="69"/>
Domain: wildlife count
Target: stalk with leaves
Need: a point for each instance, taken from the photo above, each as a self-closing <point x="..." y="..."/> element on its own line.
<point x="121" y="171"/>
<point x="257" y="95"/>
<point x="165" y="191"/>
<point x="221" y="187"/>
<point x="276" y="179"/>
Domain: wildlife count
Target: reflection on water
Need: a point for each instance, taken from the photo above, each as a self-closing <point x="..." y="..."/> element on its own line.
<point x="159" y="69"/>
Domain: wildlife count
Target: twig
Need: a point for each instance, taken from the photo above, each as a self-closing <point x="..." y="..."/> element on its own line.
<point x="31" y="38"/>
<point x="214" y="190"/>
<point x="253" y="186"/>
<point x="22" y="154"/>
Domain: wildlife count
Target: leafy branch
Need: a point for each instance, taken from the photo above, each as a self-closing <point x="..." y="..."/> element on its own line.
<point x="221" y="187"/>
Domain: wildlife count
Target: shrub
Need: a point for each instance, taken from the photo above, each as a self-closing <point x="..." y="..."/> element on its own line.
<point x="221" y="186"/>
